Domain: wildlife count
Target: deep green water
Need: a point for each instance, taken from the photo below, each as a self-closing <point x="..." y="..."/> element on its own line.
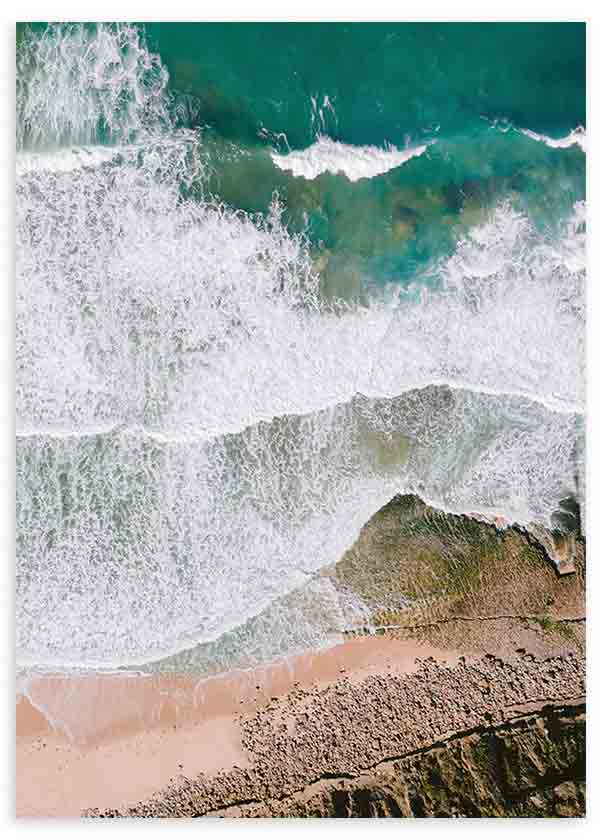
<point x="467" y="86"/>
<point x="389" y="83"/>
<point x="386" y="80"/>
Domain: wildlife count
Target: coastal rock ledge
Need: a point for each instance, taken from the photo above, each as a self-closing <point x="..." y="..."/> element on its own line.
<point x="531" y="766"/>
<point x="488" y="737"/>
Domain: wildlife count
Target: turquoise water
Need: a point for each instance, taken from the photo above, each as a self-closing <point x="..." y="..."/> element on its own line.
<point x="389" y="83"/>
<point x="268" y="276"/>
<point x="386" y="81"/>
<point x="469" y="87"/>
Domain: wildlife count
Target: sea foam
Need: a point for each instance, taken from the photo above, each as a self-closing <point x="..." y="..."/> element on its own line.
<point x="200" y="434"/>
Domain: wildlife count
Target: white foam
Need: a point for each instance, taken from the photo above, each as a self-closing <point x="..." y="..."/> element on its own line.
<point x="65" y="160"/>
<point x="282" y="360"/>
<point x="170" y="341"/>
<point x="355" y="162"/>
<point x="79" y="84"/>
<point x="575" y="137"/>
<point x="191" y="446"/>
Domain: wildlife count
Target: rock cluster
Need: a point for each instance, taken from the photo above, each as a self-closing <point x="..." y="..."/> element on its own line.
<point x="391" y="729"/>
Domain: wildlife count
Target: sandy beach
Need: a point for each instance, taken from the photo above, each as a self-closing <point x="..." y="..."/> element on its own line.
<point x="109" y="741"/>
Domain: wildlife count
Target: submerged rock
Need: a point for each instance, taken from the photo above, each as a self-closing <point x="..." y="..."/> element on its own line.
<point x="462" y="580"/>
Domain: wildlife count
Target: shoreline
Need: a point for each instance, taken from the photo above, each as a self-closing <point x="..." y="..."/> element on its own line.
<point x="490" y="654"/>
<point x="88" y="741"/>
<point x="477" y="735"/>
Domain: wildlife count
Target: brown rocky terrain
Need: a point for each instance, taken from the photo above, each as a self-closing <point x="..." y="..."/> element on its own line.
<point x="491" y="737"/>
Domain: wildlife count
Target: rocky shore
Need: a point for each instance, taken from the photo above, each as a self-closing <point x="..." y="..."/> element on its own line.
<point x="495" y="728"/>
<point x="492" y="737"/>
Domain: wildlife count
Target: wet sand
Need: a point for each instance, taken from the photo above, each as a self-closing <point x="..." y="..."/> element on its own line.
<point x="109" y="741"/>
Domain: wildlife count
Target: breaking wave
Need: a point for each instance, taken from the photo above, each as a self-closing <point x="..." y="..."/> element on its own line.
<point x="355" y="162"/>
<point x="576" y="137"/>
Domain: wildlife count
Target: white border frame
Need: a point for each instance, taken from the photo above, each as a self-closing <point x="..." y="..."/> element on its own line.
<point x="303" y="10"/>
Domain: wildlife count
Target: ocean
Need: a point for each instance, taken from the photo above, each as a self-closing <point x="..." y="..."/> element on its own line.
<point x="269" y="276"/>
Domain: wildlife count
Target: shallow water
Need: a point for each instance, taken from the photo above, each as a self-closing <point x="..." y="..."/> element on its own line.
<point x="267" y="277"/>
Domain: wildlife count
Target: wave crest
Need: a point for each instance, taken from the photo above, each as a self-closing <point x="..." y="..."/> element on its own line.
<point x="355" y="162"/>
